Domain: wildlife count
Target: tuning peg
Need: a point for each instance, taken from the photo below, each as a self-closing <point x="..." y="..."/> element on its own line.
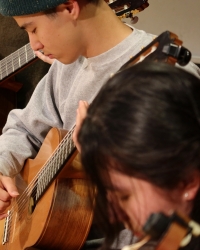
<point x="134" y="19"/>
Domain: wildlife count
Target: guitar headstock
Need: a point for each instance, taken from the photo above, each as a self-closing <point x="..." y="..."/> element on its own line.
<point x="127" y="8"/>
<point x="164" y="48"/>
<point x="174" y="230"/>
<point x="169" y="232"/>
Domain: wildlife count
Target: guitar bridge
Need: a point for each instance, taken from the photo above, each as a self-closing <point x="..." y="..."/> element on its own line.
<point x="6" y="229"/>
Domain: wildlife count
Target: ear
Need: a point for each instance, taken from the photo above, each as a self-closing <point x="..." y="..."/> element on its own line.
<point x="191" y="187"/>
<point x="70" y="7"/>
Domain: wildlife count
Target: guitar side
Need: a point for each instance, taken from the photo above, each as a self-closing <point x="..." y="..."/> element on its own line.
<point x="62" y="217"/>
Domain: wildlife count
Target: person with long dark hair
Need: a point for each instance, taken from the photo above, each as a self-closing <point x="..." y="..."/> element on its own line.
<point x="140" y="146"/>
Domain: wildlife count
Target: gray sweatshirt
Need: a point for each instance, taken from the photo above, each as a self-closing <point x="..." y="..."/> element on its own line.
<point x="55" y="100"/>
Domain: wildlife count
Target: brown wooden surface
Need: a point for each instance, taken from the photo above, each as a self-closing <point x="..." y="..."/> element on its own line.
<point x="172" y="239"/>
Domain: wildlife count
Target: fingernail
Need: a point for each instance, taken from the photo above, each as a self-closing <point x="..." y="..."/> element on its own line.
<point x="15" y="193"/>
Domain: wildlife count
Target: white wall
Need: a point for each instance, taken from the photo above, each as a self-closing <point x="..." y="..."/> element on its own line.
<point x="181" y="17"/>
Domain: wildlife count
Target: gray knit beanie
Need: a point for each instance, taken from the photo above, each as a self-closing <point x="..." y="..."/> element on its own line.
<point x="26" y="7"/>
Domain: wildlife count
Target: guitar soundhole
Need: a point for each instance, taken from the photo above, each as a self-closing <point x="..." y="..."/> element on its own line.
<point x="32" y="205"/>
<point x="32" y="200"/>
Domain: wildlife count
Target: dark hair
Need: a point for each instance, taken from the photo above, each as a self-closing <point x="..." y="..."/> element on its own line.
<point x="145" y="122"/>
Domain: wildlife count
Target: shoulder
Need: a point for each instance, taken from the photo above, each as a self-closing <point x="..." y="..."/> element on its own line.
<point x="141" y="35"/>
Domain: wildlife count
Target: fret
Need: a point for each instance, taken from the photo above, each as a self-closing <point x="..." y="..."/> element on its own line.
<point x="54" y="165"/>
<point x="26" y="53"/>
<point x="1" y="77"/>
<point x="16" y="60"/>
<point x="19" y="59"/>
<point x="3" y="69"/>
<point x="13" y="66"/>
<point x="8" y="66"/>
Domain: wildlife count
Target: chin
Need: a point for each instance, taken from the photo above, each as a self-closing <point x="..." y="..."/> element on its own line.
<point x="63" y="61"/>
<point x="68" y="60"/>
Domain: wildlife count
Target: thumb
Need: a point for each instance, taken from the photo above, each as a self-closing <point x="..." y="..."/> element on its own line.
<point x="7" y="183"/>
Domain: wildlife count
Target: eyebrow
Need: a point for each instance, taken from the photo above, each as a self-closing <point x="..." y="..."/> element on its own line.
<point x="26" y="25"/>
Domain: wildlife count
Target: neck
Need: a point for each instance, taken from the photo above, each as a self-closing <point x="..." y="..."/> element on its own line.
<point x="101" y="29"/>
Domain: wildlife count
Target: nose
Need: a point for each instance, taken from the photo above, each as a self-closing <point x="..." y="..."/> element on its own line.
<point x="35" y="43"/>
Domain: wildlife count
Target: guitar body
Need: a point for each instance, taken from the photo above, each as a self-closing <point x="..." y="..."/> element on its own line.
<point x="62" y="217"/>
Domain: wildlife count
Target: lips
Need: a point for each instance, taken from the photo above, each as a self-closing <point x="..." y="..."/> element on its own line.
<point x="50" y="56"/>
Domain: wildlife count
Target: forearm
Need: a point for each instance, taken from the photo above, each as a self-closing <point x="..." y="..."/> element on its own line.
<point x="16" y="145"/>
<point x="26" y="129"/>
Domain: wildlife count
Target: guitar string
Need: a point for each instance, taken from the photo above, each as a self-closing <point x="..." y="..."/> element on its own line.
<point x="51" y="158"/>
<point x="15" y="55"/>
<point x="13" y="66"/>
<point x="44" y="169"/>
<point x="65" y="141"/>
<point x="24" y="198"/>
<point x="24" y="48"/>
<point x="21" y="204"/>
<point x="16" y="59"/>
<point x="17" y="62"/>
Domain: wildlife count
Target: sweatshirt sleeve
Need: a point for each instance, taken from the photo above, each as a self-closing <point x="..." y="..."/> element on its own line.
<point x="26" y="128"/>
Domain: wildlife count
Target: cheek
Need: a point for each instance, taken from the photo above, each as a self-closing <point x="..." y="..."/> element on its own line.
<point x="136" y="212"/>
<point x="52" y="34"/>
<point x="139" y="210"/>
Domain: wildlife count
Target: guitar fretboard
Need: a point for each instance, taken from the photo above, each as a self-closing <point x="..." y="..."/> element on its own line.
<point x="16" y="60"/>
<point x="53" y="166"/>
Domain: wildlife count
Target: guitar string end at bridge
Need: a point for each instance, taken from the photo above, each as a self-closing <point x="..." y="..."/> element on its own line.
<point x="6" y="229"/>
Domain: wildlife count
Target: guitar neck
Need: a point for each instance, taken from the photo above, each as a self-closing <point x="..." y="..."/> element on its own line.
<point x="16" y="61"/>
<point x="54" y="165"/>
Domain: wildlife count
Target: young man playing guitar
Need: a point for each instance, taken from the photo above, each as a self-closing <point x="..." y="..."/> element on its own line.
<point x="89" y="43"/>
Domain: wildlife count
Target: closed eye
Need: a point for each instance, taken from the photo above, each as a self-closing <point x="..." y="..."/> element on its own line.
<point x="34" y="31"/>
<point x="124" y="197"/>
